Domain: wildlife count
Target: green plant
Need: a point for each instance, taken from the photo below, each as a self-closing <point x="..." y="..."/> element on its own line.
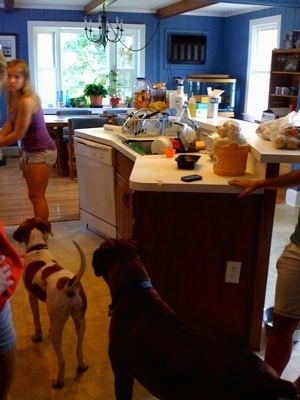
<point x="128" y="99"/>
<point x="78" y="101"/>
<point x="114" y="84"/>
<point x="95" y="89"/>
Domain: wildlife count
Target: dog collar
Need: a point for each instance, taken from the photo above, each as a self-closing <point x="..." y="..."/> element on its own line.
<point x="37" y="247"/>
<point x="134" y="287"/>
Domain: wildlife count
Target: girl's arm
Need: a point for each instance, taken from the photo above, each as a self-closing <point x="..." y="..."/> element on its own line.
<point x="7" y="128"/>
<point x="12" y="134"/>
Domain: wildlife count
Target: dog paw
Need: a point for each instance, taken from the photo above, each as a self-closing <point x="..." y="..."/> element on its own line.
<point x="56" y="384"/>
<point x="36" y="338"/>
<point x="83" y="367"/>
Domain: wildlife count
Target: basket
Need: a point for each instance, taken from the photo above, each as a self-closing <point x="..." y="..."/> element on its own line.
<point x="230" y="159"/>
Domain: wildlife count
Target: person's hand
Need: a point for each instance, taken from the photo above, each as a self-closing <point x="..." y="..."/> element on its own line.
<point x="247" y="186"/>
<point x="5" y="273"/>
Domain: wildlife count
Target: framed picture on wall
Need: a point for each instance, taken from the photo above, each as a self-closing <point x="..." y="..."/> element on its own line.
<point x="8" y="46"/>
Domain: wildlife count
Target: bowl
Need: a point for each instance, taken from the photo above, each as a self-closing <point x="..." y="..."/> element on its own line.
<point x="186" y="161"/>
<point x="268" y="323"/>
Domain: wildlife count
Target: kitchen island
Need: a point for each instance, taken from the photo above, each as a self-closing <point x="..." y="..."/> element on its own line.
<point x="195" y="229"/>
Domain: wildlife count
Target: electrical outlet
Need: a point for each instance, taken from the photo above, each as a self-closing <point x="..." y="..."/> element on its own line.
<point x="233" y="270"/>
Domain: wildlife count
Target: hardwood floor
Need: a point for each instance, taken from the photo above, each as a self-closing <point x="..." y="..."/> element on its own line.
<point x="62" y="196"/>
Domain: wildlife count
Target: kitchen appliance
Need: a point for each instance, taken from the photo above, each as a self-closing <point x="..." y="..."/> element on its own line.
<point x="95" y="175"/>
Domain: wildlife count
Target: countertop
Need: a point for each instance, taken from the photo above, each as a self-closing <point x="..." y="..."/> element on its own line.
<point x="159" y="173"/>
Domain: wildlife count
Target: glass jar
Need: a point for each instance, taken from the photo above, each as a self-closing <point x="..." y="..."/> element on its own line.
<point x="159" y="92"/>
<point x="141" y="93"/>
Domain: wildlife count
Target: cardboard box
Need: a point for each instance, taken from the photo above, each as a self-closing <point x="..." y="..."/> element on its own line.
<point x="274" y="113"/>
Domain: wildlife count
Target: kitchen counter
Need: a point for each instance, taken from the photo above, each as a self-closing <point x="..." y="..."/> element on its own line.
<point x="194" y="229"/>
<point x="157" y="172"/>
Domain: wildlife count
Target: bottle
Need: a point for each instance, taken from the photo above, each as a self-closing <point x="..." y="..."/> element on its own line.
<point x="192" y="106"/>
<point x="179" y="97"/>
<point x="141" y="93"/>
<point x="67" y="104"/>
<point x="186" y="112"/>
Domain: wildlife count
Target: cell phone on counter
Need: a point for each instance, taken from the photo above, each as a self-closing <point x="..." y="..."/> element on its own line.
<point x="191" y="178"/>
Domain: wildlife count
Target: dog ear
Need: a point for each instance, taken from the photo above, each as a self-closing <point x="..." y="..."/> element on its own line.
<point x="103" y="258"/>
<point x="44" y="226"/>
<point x="19" y="234"/>
<point x="141" y="250"/>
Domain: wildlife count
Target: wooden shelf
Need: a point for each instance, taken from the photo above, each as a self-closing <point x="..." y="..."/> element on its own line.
<point x="285" y="72"/>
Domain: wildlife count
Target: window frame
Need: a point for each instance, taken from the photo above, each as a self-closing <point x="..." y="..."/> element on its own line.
<point x="255" y="26"/>
<point x="36" y="26"/>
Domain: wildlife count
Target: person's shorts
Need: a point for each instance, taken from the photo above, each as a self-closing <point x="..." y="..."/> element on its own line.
<point x="47" y="156"/>
<point x="7" y="331"/>
<point x="287" y="294"/>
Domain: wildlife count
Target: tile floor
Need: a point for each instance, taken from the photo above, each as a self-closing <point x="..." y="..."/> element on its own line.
<point x="36" y="363"/>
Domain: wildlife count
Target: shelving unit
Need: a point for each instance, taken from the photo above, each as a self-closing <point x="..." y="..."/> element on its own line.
<point x="198" y="84"/>
<point x="284" y="79"/>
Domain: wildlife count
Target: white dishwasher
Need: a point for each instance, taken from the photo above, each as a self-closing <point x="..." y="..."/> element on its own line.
<point x="95" y="176"/>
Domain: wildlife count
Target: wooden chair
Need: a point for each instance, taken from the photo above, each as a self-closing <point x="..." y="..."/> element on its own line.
<point x="79" y="123"/>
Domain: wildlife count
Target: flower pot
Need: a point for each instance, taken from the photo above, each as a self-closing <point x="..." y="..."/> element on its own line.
<point x="115" y="101"/>
<point x="96" y="100"/>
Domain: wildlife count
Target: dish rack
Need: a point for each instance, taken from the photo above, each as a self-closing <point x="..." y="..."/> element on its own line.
<point x="149" y="127"/>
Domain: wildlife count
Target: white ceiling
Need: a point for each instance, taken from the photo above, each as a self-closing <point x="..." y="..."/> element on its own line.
<point x="142" y="6"/>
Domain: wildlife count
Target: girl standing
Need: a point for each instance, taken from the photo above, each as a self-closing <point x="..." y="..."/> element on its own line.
<point x="26" y="123"/>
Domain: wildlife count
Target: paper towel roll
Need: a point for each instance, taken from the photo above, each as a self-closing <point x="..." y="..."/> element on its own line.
<point x="161" y="143"/>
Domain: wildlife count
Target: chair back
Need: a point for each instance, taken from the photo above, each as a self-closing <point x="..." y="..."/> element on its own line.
<point x="80" y="123"/>
<point x="85" y="122"/>
<point x="77" y="111"/>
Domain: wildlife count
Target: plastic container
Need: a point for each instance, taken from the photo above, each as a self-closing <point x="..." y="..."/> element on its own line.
<point x="141" y="93"/>
<point x="186" y="161"/>
<point x="192" y="106"/>
<point x="179" y="98"/>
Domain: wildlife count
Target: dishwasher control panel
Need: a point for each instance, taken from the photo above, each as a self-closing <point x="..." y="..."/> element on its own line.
<point x="94" y="151"/>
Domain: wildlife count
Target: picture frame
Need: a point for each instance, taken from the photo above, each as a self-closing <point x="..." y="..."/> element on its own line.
<point x="291" y="64"/>
<point x="9" y="46"/>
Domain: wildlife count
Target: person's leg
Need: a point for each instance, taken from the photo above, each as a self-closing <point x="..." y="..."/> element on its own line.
<point x="37" y="177"/>
<point x="7" y="368"/>
<point x="286" y="310"/>
<point x="7" y="351"/>
<point x="280" y="342"/>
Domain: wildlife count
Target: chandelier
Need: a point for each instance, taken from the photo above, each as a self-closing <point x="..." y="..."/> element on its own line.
<point x="103" y="27"/>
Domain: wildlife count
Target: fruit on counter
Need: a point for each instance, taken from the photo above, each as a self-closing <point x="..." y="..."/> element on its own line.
<point x="158" y="106"/>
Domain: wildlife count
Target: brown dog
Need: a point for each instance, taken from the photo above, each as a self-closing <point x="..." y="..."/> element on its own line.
<point x="47" y="281"/>
<point x="171" y="358"/>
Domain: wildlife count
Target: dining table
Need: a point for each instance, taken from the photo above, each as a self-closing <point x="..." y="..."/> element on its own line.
<point x="55" y="125"/>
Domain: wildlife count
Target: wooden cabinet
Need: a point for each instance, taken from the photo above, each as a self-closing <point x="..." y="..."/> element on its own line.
<point x="123" y="197"/>
<point x="284" y="79"/>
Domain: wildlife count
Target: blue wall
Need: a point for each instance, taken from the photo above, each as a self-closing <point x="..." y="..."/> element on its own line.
<point x="227" y="40"/>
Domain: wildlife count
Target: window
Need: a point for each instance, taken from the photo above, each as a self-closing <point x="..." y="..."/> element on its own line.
<point x="63" y="59"/>
<point x="264" y="36"/>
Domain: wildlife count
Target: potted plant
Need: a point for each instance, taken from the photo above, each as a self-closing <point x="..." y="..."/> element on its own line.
<point x="114" y="88"/>
<point x="78" y="101"/>
<point x="96" y="92"/>
<point x="128" y="101"/>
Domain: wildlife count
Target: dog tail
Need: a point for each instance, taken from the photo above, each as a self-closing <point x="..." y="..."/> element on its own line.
<point x="76" y="279"/>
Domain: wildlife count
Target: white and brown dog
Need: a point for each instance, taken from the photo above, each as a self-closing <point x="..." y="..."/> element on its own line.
<point x="47" y="281"/>
<point x="171" y="358"/>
